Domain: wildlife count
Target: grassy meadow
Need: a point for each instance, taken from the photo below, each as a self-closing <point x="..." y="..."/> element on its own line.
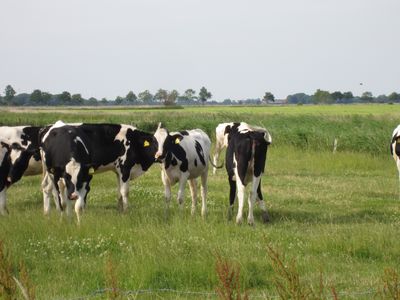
<point x="336" y="215"/>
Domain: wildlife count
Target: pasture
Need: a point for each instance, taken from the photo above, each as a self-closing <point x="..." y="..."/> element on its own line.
<point x="336" y="215"/>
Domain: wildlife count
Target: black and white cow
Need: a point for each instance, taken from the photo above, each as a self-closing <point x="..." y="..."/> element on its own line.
<point x="22" y="157"/>
<point x="184" y="156"/>
<point x="73" y="153"/>
<point x="245" y="162"/>
<point x="221" y="136"/>
<point x="395" y="148"/>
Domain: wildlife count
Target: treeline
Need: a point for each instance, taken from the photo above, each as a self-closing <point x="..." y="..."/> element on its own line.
<point x="40" y="98"/>
<point x="325" y="97"/>
<point x="189" y="97"/>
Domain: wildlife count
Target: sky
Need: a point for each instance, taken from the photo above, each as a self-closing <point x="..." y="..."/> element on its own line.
<point x="236" y="49"/>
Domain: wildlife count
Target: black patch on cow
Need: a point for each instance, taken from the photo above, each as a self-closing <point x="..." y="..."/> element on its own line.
<point x="195" y="162"/>
<point x="171" y="146"/>
<point x="200" y="153"/>
<point x="174" y="162"/>
<point x="4" y="167"/>
<point x="184" y="132"/>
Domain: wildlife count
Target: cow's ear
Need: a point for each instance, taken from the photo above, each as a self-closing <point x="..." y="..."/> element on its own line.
<point x="177" y="138"/>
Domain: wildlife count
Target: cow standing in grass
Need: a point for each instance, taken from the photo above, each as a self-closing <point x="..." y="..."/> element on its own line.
<point x="395" y="149"/>
<point x="245" y="163"/>
<point x="184" y="156"/>
<point x="221" y="136"/>
<point x="74" y="153"/>
<point x="19" y="156"/>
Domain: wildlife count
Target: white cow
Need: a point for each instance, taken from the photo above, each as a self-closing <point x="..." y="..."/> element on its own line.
<point x="184" y="156"/>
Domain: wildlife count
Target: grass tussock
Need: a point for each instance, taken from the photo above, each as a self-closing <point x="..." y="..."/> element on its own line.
<point x="113" y="291"/>
<point x="391" y="284"/>
<point x="288" y="282"/>
<point x="12" y="287"/>
<point x="229" y="280"/>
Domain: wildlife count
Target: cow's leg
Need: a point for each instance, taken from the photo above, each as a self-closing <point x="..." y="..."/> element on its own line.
<point x="193" y="192"/>
<point x="232" y="196"/>
<point x="240" y="195"/>
<point x="218" y="149"/>
<point x="49" y="190"/>
<point x="261" y="204"/>
<point x="252" y="199"/>
<point x="181" y="191"/>
<point x="204" y="193"/>
<point x="124" y="191"/>
<point x="80" y="201"/>
<point x="3" y="202"/>
<point x="167" y="189"/>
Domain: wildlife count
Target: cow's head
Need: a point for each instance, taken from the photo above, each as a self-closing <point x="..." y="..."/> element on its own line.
<point x="161" y="136"/>
<point x="20" y="156"/>
<point x="144" y="147"/>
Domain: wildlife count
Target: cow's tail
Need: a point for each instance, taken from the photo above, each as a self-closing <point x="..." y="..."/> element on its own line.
<point x="212" y="163"/>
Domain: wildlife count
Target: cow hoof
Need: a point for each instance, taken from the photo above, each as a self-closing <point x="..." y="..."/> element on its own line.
<point x="239" y="221"/>
<point x="250" y="222"/>
<point x="265" y="217"/>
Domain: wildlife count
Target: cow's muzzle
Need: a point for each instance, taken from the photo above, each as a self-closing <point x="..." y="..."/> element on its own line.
<point x="73" y="196"/>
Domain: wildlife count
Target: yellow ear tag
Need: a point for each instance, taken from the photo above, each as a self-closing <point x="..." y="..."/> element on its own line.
<point x="177" y="141"/>
<point x="91" y="171"/>
<point x="146" y="144"/>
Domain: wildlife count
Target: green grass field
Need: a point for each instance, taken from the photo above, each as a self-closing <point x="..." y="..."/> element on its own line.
<point x="334" y="214"/>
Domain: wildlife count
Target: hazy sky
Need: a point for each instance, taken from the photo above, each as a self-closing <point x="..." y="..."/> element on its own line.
<point x="237" y="49"/>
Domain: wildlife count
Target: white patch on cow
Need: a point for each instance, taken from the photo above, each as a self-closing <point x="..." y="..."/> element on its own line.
<point x="57" y="124"/>
<point x="160" y="135"/>
<point x="121" y="136"/>
<point x="73" y="168"/>
<point x="78" y="139"/>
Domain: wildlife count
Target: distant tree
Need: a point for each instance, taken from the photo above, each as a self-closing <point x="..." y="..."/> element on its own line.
<point x="190" y="94"/>
<point x="9" y="94"/>
<point x="119" y="100"/>
<point x="36" y="97"/>
<point x="171" y="97"/>
<point x="46" y="98"/>
<point x="145" y="96"/>
<point x="64" y="98"/>
<point x="131" y="97"/>
<point x="382" y="99"/>
<point x="337" y="95"/>
<point x="204" y="95"/>
<point x="348" y="95"/>
<point x="104" y="101"/>
<point x="161" y="95"/>
<point x="394" y="97"/>
<point x="92" y="101"/>
<point x="76" y="99"/>
<point x="268" y="97"/>
<point x="299" y="98"/>
<point x="227" y="102"/>
<point x="367" y="97"/>
<point x="321" y="96"/>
